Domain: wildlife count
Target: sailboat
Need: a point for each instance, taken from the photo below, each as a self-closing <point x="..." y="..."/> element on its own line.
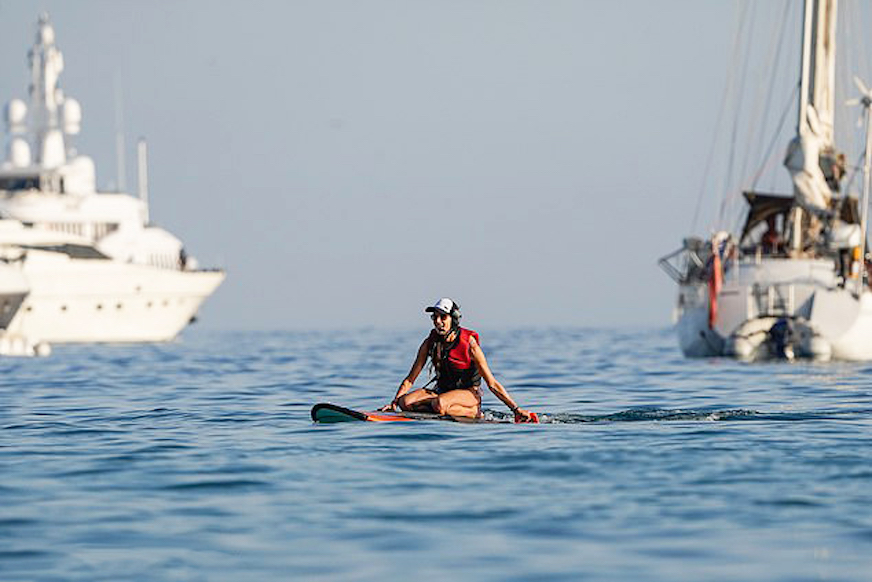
<point x="793" y="282"/>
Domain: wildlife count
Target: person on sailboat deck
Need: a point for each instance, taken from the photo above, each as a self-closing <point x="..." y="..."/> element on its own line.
<point x="771" y="239"/>
<point x="834" y="170"/>
<point x="459" y="366"/>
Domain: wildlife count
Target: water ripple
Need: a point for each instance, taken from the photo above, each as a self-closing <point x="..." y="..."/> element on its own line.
<point x="198" y="460"/>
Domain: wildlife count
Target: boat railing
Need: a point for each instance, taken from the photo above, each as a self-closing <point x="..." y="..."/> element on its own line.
<point x="774" y="300"/>
<point x="687" y="263"/>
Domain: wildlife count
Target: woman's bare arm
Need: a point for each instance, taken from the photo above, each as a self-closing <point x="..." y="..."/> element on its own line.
<point x="492" y="383"/>
<point x="409" y="380"/>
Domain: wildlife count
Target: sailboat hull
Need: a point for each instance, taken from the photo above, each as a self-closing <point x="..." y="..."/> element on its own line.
<point x="772" y="308"/>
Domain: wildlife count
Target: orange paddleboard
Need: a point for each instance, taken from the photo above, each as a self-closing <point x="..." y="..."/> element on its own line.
<point x="330" y="413"/>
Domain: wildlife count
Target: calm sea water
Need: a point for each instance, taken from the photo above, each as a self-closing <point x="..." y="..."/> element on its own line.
<point x="198" y="461"/>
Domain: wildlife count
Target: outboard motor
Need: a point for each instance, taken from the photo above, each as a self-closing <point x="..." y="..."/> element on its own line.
<point x="781" y="339"/>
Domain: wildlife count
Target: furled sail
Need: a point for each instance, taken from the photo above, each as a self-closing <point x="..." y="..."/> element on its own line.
<point x="811" y="158"/>
<point x="810" y="187"/>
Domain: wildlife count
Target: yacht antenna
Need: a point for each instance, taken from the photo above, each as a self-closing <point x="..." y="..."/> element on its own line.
<point x="120" y="168"/>
<point x="142" y="174"/>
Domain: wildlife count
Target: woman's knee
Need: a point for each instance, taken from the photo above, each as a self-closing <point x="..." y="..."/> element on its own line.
<point x="440" y="406"/>
<point x="414" y="400"/>
<point x="404" y="402"/>
<point x="452" y="404"/>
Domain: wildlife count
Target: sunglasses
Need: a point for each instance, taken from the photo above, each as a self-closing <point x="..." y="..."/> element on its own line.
<point x="437" y="316"/>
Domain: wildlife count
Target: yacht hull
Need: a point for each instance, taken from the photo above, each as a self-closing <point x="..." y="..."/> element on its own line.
<point x="94" y="265"/>
<point x="108" y="301"/>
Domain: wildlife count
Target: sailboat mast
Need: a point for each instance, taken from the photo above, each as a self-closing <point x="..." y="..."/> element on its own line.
<point x="862" y="279"/>
<point x="802" y="113"/>
<point x="812" y="155"/>
<point x="818" y="69"/>
<point x="805" y="65"/>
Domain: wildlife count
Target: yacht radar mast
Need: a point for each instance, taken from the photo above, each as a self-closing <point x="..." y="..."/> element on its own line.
<point x="53" y="116"/>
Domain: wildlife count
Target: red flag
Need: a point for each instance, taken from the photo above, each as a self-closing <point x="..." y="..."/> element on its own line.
<point x="715" y="282"/>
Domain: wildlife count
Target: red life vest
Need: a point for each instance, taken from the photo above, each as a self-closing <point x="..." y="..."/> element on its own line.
<point x="453" y="363"/>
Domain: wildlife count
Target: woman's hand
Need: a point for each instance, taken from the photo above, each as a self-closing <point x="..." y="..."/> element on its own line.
<point x="392" y="407"/>
<point x="522" y="415"/>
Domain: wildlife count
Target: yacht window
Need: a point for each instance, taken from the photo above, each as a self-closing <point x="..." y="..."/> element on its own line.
<point x="19" y="183"/>
<point x="72" y="250"/>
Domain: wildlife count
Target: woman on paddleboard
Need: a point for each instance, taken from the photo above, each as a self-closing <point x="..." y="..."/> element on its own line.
<point x="459" y="366"/>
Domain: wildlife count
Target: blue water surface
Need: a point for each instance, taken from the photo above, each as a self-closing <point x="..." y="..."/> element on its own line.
<point x="197" y="460"/>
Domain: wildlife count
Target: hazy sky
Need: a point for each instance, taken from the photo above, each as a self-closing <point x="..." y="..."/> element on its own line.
<point x="349" y="162"/>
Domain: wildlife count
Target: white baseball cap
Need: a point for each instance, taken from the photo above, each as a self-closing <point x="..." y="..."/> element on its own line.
<point x="445" y="305"/>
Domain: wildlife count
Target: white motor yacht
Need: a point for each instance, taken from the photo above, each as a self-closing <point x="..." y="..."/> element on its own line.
<point x="94" y="267"/>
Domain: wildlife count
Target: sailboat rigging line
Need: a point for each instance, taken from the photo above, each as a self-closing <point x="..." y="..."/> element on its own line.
<point x="775" y="51"/>
<point x="718" y="124"/>
<point x="708" y="163"/>
<point x="732" y="156"/>
<point x="854" y="61"/>
<point x="863" y="54"/>
<point x="767" y="159"/>
<point x="857" y="62"/>
<point x="856" y="169"/>
<point x="843" y="85"/>
<point x="843" y="125"/>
